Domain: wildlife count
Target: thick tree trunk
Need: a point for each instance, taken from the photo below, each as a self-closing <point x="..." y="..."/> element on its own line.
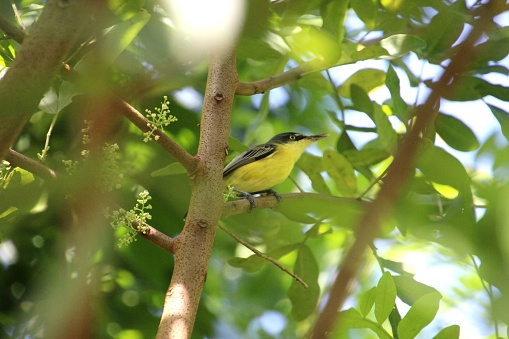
<point x="194" y="244"/>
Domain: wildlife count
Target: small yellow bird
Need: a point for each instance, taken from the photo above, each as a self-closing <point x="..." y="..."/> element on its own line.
<point x="263" y="166"/>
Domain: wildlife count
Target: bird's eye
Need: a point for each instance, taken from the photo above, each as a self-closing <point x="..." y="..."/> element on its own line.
<point x="292" y="137"/>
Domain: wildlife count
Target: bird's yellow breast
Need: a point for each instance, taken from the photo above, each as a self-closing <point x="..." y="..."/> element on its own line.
<point x="267" y="172"/>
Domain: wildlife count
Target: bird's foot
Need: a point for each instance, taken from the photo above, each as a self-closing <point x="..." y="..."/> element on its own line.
<point x="248" y="196"/>
<point x="271" y="192"/>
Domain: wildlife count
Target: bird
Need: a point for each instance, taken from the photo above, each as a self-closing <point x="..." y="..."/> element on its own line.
<point x="263" y="166"/>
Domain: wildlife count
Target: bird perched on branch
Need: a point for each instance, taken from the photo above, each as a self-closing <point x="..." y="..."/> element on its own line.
<point x="262" y="167"/>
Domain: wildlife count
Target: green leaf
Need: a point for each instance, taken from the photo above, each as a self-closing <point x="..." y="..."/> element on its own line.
<point x="236" y="145"/>
<point x="421" y="313"/>
<point x="502" y="118"/>
<point x="385" y="297"/>
<point x="345" y="143"/>
<point x="333" y="14"/>
<point x="341" y="171"/>
<point x="443" y="168"/>
<point x="455" y="133"/>
<point x="254" y="262"/>
<point x="312" y="166"/>
<point x="366" y="301"/>
<point x="400" y="106"/>
<point x="313" y="43"/>
<point x="361" y="101"/>
<point x="409" y="290"/>
<point x="443" y="30"/>
<point x="366" y="10"/>
<point x="116" y="40"/>
<point x="388" y="137"/>
<point x="55" y="100"/>
<point x="399" y="45"/>
<point x="365" y="156"/>
<point x="449" y="332"/>
<point x="255" y="49"/>
<point x="394" y="266"/>
<point x="368" y="79"/>
<point x="369" y="52"/>
<point x="351" y="318"/>
<point x="172" y="169"/>
<point x="304" y="300"/>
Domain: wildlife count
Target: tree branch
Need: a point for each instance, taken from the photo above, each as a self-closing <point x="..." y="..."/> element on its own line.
<point x="261" y="86"/>
<point x="11" y="30"/>
<point x="19" y="160"/>
<point x="159" y="239"/>
<point x="38" y="60"/>
<point x="168" y="144"/>
<point x="269" y="201"/>
<point x="265" y="257"/>
<point x="399" y="172"/>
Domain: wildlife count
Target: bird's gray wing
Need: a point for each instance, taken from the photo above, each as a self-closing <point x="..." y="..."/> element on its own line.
<point x="249" y="156"/>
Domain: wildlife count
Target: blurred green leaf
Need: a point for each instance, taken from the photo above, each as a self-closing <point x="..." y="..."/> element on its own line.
<point x="313" y="43"/>
<point x="449" y="332"/>
<point x="400" y="106"/>
<point x="172" y="169"/>
<point x="366" y="10"/>
<point x="398" y="45"/>
<point x="502" y="118"/>
<point x="361" y="100"/>
<point x="254" y="262"/>
<point x="304" y="300"/>
<point x="385" y="298"/>
<point x="388" y="137"/>
<point x="409" y="290"/>
<point x="368" y="79"/>
<point x="366" y="301"/>
<point x="312" y="166"/>
<point x="455" y="133"/>
<point x="341" y="171"/>
<point x="369" y="52"/>
<point x="443" y="30"/>
<point x="343" y="212"/>
<point x="333" y="14"/>
<point x="365" y="156"/>
<point x="421" y="313"/>
<point x="351" y="318"/>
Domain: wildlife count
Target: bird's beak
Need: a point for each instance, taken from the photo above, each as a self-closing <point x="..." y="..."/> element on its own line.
<point x="317" y="137"/>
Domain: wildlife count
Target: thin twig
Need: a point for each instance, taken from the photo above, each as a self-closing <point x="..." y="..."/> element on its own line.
<point x="489" y="292"/>
<point x="261" y="86"/>
<point x="265" y="257"/>
<point x="179" y="153"/>
<point x="19" y="160"/>
<point x="48" y="136"/>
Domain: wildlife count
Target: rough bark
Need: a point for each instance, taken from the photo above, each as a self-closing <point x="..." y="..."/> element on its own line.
<point x="40" y="57"/>
<point x="194" y="244"/>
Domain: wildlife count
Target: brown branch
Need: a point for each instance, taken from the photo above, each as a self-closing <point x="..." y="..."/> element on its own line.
<point x="399" y="172"/>
<point x="19" y="160"/>
<point x="269" y="201"/>
<point x="265" y="257"/>
<point x="179" y="153"/>
<point x="126" y="110"/>
<point x="261" y="86"/>
<point x="11" y="30"/>
<point x="40" y="57"/>
<point x="158" y="238"/>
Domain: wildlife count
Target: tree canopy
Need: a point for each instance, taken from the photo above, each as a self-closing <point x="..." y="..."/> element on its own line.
<point x="117" y="117"/>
